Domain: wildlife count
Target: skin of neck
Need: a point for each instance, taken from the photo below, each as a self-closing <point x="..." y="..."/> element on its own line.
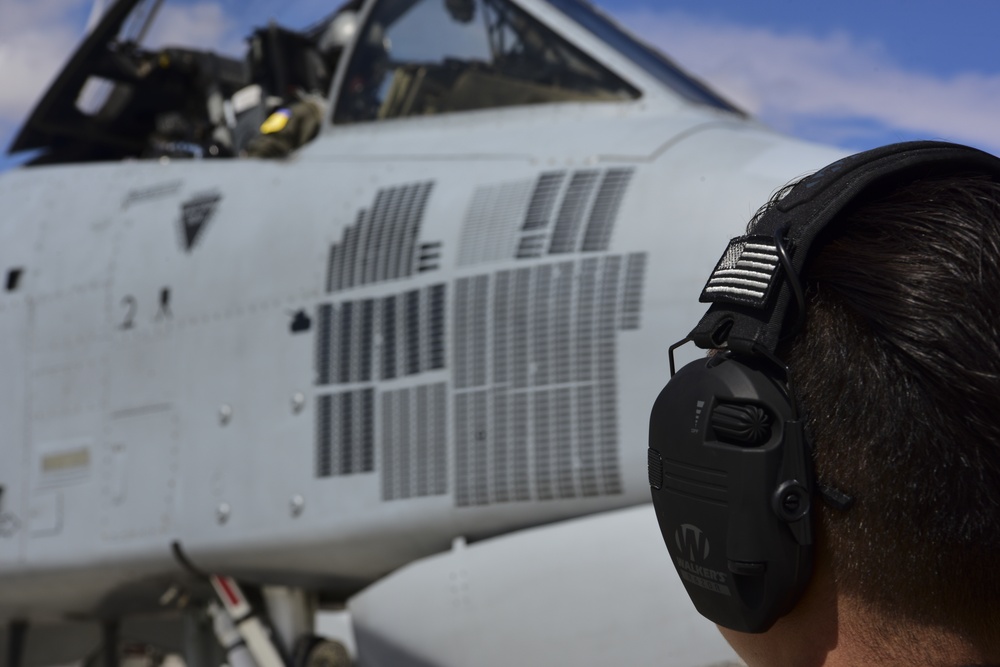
<point x="830" y="629"/>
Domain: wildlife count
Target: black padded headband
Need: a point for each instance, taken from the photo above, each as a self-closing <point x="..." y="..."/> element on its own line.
<point x="750" y="292"/>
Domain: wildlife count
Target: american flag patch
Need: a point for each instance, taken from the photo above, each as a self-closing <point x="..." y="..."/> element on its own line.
<point x="745" y="273"/>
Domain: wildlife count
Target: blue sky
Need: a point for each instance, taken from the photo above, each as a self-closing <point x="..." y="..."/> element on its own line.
<point x="851" y="73"/>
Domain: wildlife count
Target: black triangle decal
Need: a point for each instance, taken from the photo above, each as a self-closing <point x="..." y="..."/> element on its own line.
<point x="195" y="216"/>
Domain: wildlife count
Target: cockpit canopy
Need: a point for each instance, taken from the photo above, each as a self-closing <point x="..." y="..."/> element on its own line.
<point x="152" y="79"/>
<point x="425" y="57"/>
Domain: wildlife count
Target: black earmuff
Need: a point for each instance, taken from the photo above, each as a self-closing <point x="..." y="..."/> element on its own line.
<point x="730" y="467"/>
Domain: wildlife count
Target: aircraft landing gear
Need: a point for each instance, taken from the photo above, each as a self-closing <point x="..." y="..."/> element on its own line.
<point x="292" y="613"/>
<point x="313" y="651"/>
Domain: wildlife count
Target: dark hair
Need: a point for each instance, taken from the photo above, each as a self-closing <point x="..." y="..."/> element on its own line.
<point x="898" y="371"/>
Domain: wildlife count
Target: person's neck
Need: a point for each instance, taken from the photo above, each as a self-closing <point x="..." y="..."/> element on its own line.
<point x="827" y="630"/>
<point x="864" y="637"/>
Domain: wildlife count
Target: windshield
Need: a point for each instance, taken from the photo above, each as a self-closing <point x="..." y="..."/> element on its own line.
<point x="646" y="57"/>
<point x="428" y="57"/>
<point x="222" y="26"/>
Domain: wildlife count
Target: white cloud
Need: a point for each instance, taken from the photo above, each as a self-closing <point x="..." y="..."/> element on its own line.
<point x="204" y="25"/>
<point x="36" y="37"/>
<point x="793" y="80"/>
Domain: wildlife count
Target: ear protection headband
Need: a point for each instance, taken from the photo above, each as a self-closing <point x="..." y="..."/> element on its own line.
<point x="730" y="467"/>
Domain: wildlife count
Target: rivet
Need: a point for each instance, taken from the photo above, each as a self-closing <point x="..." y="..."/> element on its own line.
<point x="298" y="402"/>
<point x="222" y="512"/>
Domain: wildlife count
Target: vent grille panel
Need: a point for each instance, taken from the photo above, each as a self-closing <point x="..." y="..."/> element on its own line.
<point x="382" y="244"/>
<point x="605" y="210"/>
<point x="560" y="213"/>
<point x="534" y="362"/>
<point x="345" y="433"/>
<point x="387" y="337"/>
<point x="635" y="274"/>
<point x="543" y="200"/>
<point x="492" y="223"/>
<point x="413" y="442"/>
<point x="565" y="236"/>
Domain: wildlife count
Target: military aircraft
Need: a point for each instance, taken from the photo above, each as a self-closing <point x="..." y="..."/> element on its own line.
<point x="405" y="369"/>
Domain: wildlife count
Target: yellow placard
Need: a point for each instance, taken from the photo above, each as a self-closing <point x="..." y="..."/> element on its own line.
<point x="276" y="122"/>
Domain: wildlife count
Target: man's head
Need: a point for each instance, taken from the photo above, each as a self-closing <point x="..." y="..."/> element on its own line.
<point x="894" y="371"/>
<point x="898" y="373"/>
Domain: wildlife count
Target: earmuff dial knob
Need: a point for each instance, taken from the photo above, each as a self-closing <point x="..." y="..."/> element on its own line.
<point x="741" y="423"/>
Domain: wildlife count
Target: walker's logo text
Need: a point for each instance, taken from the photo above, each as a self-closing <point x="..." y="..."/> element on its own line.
<point x="691" y="541"/>
<point x="693" y="547"/>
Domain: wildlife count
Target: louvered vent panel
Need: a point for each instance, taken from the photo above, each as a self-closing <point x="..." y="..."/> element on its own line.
<point x="605" y="210"/>
<point x="565" y="213"/>
<point x="413" y="442"/>
<point x="463" y="364"/>
<point x="333" y="268"/>
<point x="501" y="327"/>
<point x="421" y="437"/>
<point x="350" y="255"/>
<point x="543" y="446"/>
<point x="464" y="439"/>
<point x="562" y="323"/>
<point x="478" y="330"/>
<point x="410" y="328"/>
<point x="541" y="325"/>
<point x="345" y="433"/>
<point x="534" y="363"/>
<point x="562" y="422"/>
<point x="576" y="203"/>
<point x="435" y="328"/>
<point x="492" y="223"/>
<point x="391" y="221"/>
<point x="543" y="200"/>
<point x="391" y="438"/>
<point x="359" y="342"/>
<point x="501" y="447"/>
<point x="390" y="344"/>
<point x="532" y="245"/>
<point x="345" y="342"/>
<point x="438" y="415"/>
<point x="635" y="274"/>
<point x="404" y="446"/>
<point x="323" y="344"/>
<point x="430" y="257"/>
<point x="586" y="408"/>
<point x="367" y="336"/>
<point x="412" y="324"/>
<point x="586" y="333"/>
<point x="607" y="316"/>
<point x="324" y="436"/>
<point x="521" y="323"/>
<point x="367" y="428"/>
<point x="521" y="445"/>
<point x="383" y="243"/>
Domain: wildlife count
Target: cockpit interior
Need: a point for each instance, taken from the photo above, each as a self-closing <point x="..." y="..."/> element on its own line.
<point x="129" y="92"/>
